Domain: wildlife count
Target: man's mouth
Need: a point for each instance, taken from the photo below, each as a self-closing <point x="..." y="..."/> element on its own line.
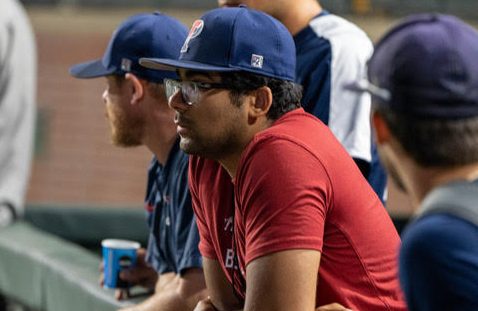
<point x="181" y="125"/>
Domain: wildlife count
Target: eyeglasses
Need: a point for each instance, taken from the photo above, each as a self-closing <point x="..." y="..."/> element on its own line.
<point x="190" y="91"/>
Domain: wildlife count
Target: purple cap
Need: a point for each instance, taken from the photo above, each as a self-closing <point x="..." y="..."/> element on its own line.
<point x="235" y="39"/>
<point x="141" y="35"/>
<point x="426" y="66"/>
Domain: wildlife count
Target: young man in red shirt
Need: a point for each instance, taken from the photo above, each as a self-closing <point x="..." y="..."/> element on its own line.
<point x="301" y="228"/>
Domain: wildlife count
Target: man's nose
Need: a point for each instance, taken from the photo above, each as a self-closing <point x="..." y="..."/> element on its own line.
<point x="176" y="102"/>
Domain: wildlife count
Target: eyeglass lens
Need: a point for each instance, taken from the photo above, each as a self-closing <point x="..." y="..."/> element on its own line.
<point x="188" y="90"/>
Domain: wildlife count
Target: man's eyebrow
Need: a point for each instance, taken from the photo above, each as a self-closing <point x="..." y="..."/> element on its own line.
<point x="191" y="73"/>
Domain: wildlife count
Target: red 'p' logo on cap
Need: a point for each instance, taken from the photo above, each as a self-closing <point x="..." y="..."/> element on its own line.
<point x="195" y="30"/>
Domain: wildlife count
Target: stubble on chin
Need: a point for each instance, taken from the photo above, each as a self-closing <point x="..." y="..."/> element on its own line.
<point x="191" y="147"/>
<point x="126" y="132"/>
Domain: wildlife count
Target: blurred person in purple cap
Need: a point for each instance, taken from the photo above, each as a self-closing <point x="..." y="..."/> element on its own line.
<point x="330" y="51"/>
<point x="423" y="77"/>
<point x="301" y="229"/>
<point x="138" y="114"/>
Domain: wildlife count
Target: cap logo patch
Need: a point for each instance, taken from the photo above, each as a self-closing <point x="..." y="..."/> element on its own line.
<point x="125" y="64"/>
<point x="195" y="31"/>
<point x="257" y="61"/>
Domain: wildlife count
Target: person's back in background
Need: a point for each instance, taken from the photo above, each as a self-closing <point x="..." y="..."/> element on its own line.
<point x="424" y="80"/>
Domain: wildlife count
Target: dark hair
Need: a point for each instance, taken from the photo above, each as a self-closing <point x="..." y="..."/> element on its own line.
<point x="286" y="95"/>
<point x="434" y="142"/>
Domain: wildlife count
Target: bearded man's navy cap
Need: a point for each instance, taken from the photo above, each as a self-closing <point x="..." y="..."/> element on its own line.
<point x="235" y="39"/>
<point x="426" y="66"/>
<point x="141" y="35"/>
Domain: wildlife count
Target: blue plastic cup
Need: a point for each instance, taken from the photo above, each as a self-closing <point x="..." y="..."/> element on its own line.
<point x="117" y="255"/>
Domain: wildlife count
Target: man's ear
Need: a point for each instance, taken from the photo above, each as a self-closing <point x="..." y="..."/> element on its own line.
<point x="261" y="102"/>
<point x="137" y="88"/>
<point x="382" y="131"/>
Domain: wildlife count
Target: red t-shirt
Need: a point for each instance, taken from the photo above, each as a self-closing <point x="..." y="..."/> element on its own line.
<point x="297" y="188"/>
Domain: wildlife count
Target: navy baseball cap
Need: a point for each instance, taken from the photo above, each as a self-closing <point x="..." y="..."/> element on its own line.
<point x="426" y="66"/>
<point x="234" y="39"/>
<point x="153" y="34"/>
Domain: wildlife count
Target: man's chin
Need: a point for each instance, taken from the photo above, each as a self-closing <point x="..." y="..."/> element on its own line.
<point x="124" y="142"/>
<point x="186" y="146"/>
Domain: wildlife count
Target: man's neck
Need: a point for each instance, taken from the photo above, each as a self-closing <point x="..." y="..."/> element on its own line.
<point x="230" y="162"/>
<point x="162" y="149"/>
<point x="160" y="138"/>
<point x="297" y="16"/>
<point x="423" y="180"/>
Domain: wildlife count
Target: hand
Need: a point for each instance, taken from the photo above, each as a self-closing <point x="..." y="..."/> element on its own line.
<point x="205" y="305"/>
<point x="142" y="274"/>
<point x="332" y="307"/>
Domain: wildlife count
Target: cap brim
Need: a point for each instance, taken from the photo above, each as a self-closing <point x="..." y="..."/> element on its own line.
<point x="172" y="64"/>
<point x="91" y="69"/>
<point x="364" y="86"/>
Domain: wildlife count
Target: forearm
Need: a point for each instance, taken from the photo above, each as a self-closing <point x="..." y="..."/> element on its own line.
<point x="221" y="305"/>
<point x="168" y="300"/>
<point x="174" y="292"/>
<point x="221" y="295"/>
<point x="208" y="305"/>
<point x="282" y="281"/>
